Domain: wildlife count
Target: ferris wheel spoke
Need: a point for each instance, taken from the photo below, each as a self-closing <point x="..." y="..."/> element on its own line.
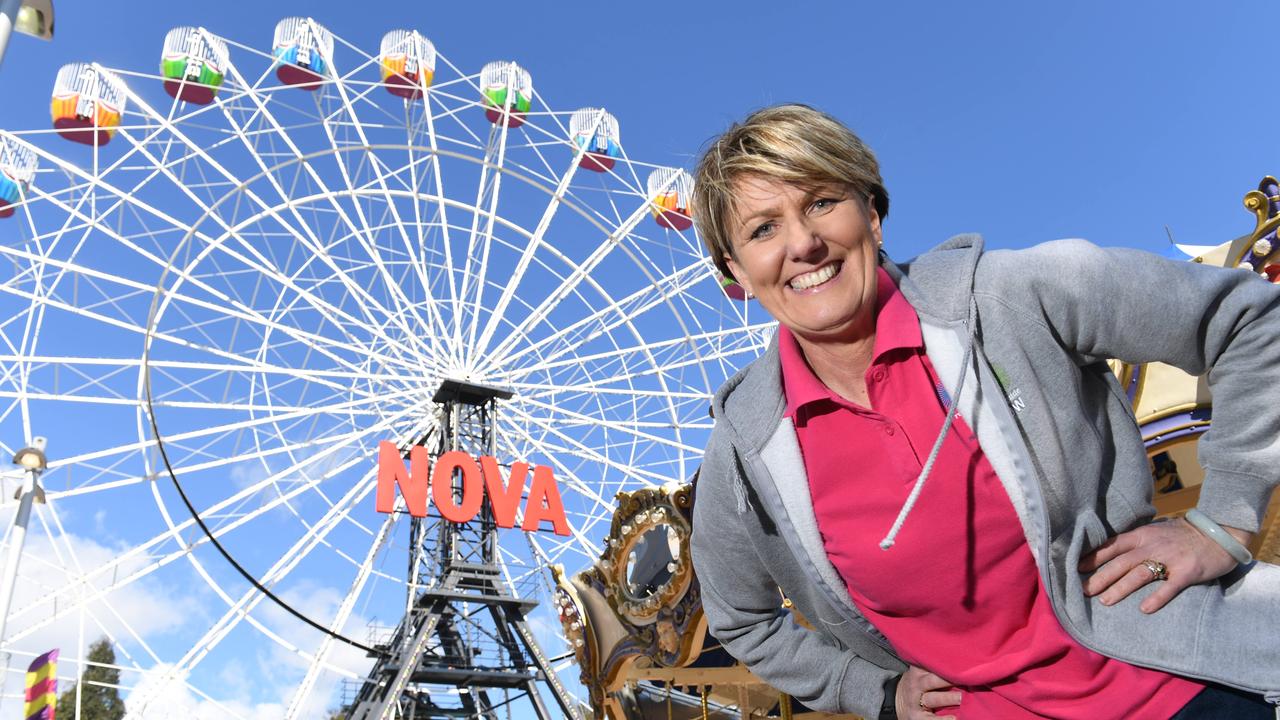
<point x="701" y="347"/>
<point x="487" y="192"/>
<point x="337" y="316"/>
<point x="456" y="294"/>
<point x="176" y="531"/>
<point x="330" y="447"/>
<point x="610" y="316"/>
<point x="184" y="466"/>
<point x="576" y="532"/>
<point x="610" y="377"/>
<point x="602" y="388"/>
<point x="531" y="247"/>
<point x="265" y="266"/>
<point x="307" y="238"/>
<point x="279" y="570"/>
<point x="379" y="172"/>
<point x="137" y="329"/>
<point x="575" y="448"/>
<point x="563" y="417"/>
<point x="341" y="616"/>
<point x="61" y="536"/>
<point x="364" y="233"/>
<point x="416" y="252"/>
<point x="580" y="273"/>
<point x="163" y="263"/>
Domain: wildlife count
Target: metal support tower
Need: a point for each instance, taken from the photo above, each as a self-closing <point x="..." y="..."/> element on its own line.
<point x="464" y="626"/>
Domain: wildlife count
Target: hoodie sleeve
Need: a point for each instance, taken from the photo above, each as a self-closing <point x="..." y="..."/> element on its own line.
<point x="1224" y="323"/>
<point x="744" y="611"/>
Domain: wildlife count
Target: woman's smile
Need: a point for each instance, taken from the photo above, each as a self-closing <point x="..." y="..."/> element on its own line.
<point x="815" y="279"/>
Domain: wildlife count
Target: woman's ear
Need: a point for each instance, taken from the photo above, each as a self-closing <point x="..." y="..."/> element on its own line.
<point x="739" y="276"/>
<point x="873" y="220"/>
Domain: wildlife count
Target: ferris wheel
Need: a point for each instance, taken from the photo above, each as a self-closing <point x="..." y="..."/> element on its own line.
<point x="225" y="283"/>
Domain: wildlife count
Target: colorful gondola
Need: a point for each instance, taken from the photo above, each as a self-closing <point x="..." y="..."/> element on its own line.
<point x="193" y="65"/>
<point x="508" y="92"/>
<point x="596" y="131"/>
<point x="303" y="49"/>
<point x="88" y="103"/>
<point x="407" y="62"/>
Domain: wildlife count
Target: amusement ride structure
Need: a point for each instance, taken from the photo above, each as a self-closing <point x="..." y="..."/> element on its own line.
<point x="228" y="283"/>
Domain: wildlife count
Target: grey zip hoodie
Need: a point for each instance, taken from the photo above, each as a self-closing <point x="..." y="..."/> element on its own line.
<point x="1020" y="339"/>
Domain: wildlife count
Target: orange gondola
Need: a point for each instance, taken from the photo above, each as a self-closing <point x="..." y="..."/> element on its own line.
<point x="407" y="62"/>
<point x="88" y="103"/>
<point x="669" y="191"/>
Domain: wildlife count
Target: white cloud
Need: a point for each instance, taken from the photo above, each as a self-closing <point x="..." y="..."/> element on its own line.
<point x="167" y="695"/>
<point x="44" y="621"/>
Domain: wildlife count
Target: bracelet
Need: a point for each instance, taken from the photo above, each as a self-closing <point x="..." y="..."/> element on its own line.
<point x="1214" y="532"/>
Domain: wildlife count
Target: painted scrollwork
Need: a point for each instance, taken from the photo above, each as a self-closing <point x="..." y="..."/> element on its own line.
<point x="647" y="562"/>
<point x="1261" y="254"/>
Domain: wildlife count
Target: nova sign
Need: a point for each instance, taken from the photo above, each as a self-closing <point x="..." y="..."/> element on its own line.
<point x="479" y="480"/>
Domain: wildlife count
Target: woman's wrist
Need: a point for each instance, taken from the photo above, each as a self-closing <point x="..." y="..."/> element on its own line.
<point x="1232" y="540"/>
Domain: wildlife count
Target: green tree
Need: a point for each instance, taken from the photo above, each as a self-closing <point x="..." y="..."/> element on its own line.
<point x="99" y="696"/>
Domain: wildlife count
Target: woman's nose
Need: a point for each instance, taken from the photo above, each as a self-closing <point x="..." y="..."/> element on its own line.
<point x="803" y="241"/>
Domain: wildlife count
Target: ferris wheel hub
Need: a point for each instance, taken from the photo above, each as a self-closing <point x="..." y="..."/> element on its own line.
<point x="469" y="393"/>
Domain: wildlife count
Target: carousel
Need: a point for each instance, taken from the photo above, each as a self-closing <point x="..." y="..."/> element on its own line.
<point x="635" y="618"/>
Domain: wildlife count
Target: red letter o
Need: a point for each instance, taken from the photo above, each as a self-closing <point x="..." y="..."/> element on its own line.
<point x="442" y="486"/>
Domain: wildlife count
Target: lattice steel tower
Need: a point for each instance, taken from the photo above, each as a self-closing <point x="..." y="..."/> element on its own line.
<point x="464" y="626"/>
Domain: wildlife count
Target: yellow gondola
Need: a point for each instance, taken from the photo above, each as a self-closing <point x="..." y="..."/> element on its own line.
<point x="87" y="104"/>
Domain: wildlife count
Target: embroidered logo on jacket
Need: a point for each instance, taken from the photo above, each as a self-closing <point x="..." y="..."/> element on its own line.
<point x="1016" y="401"/>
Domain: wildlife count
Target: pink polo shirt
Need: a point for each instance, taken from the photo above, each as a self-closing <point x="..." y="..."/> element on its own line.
<point x="959" y="593"/>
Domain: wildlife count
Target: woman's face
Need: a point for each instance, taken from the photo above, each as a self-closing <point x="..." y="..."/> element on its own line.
<point x="809" y="256"/>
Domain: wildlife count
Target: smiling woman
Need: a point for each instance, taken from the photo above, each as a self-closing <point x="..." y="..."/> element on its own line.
<point x="1027" y="580"/>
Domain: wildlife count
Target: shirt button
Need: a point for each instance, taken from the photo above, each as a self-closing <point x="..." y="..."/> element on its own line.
<point x="878" y="375"/>
<point x="888" y="430"/>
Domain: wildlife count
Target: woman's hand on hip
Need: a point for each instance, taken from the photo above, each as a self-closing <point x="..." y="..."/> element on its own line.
<point x="920" y="691"/>
<point x="1172" y="553"/>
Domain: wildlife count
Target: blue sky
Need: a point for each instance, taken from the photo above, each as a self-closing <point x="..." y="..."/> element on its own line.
<point x="1022" y="121"/>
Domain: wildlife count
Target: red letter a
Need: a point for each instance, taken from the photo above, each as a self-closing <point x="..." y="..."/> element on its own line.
<point x="391" y="472"/>
<point x="544" y="503"/>
<point x="503" y="499"/>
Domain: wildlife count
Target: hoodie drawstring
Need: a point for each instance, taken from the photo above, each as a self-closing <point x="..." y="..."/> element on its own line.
<point x="889" y="539"/>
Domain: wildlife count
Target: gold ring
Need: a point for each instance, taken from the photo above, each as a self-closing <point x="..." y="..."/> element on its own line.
<point x="921" y="703"/>
<point x="1156" y="568"/>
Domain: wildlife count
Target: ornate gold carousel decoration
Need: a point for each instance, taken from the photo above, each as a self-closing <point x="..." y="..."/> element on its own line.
<point x="635" y="619"/>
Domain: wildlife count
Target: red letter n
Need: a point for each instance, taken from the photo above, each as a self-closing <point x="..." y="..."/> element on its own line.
<point x="413" y="484"/>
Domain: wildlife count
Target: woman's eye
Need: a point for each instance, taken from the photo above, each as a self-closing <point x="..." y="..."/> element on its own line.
<point x="762" y="231"/>
<point x="824" y="203"/>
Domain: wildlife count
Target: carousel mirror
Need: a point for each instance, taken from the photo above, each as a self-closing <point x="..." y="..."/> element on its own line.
<point x="652" y="561"/>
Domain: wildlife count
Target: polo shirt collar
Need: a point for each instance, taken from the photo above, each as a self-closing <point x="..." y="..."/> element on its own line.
<point x="897" y="327"/>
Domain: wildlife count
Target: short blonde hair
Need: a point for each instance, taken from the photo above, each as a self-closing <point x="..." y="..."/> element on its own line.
<point x="792" y="143"/>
